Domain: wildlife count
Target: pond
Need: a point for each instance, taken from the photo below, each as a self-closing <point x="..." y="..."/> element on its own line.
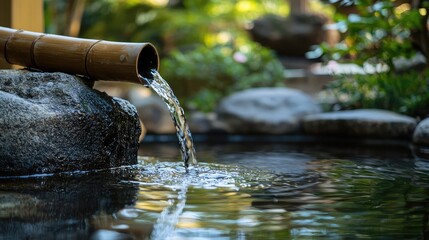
<point x="253" y="190"/>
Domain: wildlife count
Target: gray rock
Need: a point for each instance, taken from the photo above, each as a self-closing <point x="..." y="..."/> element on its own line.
<point x="54" y="122"/>
<point x="266" y="110"/>
<point x="200" y="123"/>
<point x="366" y="123"/>
<point x="292" y="36"/>
<point x="156" y="117"/>
<point x="205" y="123"/>
<point x="153" y="113"/>
<point x="421" y="134"/>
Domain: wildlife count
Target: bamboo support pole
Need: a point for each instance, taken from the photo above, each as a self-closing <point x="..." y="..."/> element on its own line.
<point x="96" y="59"/>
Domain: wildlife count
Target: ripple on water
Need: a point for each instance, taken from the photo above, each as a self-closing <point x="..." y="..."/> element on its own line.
<point x="203" y="197"/>
<point x="165" y="187"/>
<point x="206" y="175"/>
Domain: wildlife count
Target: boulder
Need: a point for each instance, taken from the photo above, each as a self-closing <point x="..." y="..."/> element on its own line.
<point x="153" y="111"/>
<point x="292" y="36"/>
<point x="156" y="117"/>
<point x="266" y="110"/>
<point x="55" y="122"/>
<point x="421" y="134"/>
<point x="365" y="123"/>
<point x="200" y="122"/>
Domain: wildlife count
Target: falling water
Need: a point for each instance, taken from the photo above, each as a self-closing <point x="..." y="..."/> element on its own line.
<point x="170" y="215"/>
<point x="161" y="87"/>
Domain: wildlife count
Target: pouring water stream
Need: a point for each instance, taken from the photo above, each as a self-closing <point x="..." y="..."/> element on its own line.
<point x="169" y="217"/>
<point x="161" y="87"/>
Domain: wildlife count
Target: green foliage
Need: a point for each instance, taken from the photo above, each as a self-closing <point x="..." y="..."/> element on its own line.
<point x="170" y="27"/>
<point x="202" y="76"/>
<point x="197" y="41"/>
<point x="406" y="93"/>
<point x="378" y="33"/>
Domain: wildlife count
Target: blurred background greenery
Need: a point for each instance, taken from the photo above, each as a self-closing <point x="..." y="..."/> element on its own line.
<point x="168" y="24"/>
<point x="391" y="35"/>
<point x="208" y="51"/>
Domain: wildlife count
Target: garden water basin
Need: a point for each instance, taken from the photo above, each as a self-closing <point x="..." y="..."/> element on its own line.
<point x="238" y="191"/>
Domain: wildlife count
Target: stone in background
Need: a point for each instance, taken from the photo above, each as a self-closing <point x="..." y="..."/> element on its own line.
<point x="362" y="123"/>
<point x="266" y="110"/>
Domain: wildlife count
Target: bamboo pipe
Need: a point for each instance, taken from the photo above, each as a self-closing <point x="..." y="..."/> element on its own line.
<point x="96" y="59"/>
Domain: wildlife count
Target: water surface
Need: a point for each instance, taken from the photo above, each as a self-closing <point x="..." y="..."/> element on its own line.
<point x="238" y="191"/>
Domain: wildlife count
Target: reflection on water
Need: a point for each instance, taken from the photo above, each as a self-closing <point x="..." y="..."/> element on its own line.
<point x="62" y="206"/>
<point x="254" y="191"/>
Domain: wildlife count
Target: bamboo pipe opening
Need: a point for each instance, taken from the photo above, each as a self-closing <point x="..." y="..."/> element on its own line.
<point x="147" y="61"/>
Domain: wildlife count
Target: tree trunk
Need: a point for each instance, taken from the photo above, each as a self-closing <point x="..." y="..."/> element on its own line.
<point x="74" y="17"/>
<point x="298" y="6"/>
<point x="421" y="36"/>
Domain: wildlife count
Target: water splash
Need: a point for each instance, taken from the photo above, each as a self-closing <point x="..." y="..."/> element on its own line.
<point x="161" y="87"/>
<point x="169" y="176"/>
<point x="207" y="176"/>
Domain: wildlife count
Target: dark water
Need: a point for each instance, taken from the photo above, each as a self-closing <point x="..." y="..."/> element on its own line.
<point x="238" y="191"/>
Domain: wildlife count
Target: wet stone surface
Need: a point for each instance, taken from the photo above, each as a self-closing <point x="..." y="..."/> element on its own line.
<point x="364" y="123"/>
<point x="54" y="122"/>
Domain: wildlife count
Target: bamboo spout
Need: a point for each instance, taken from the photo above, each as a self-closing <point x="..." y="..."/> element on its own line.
<point x="96" y="59"/>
